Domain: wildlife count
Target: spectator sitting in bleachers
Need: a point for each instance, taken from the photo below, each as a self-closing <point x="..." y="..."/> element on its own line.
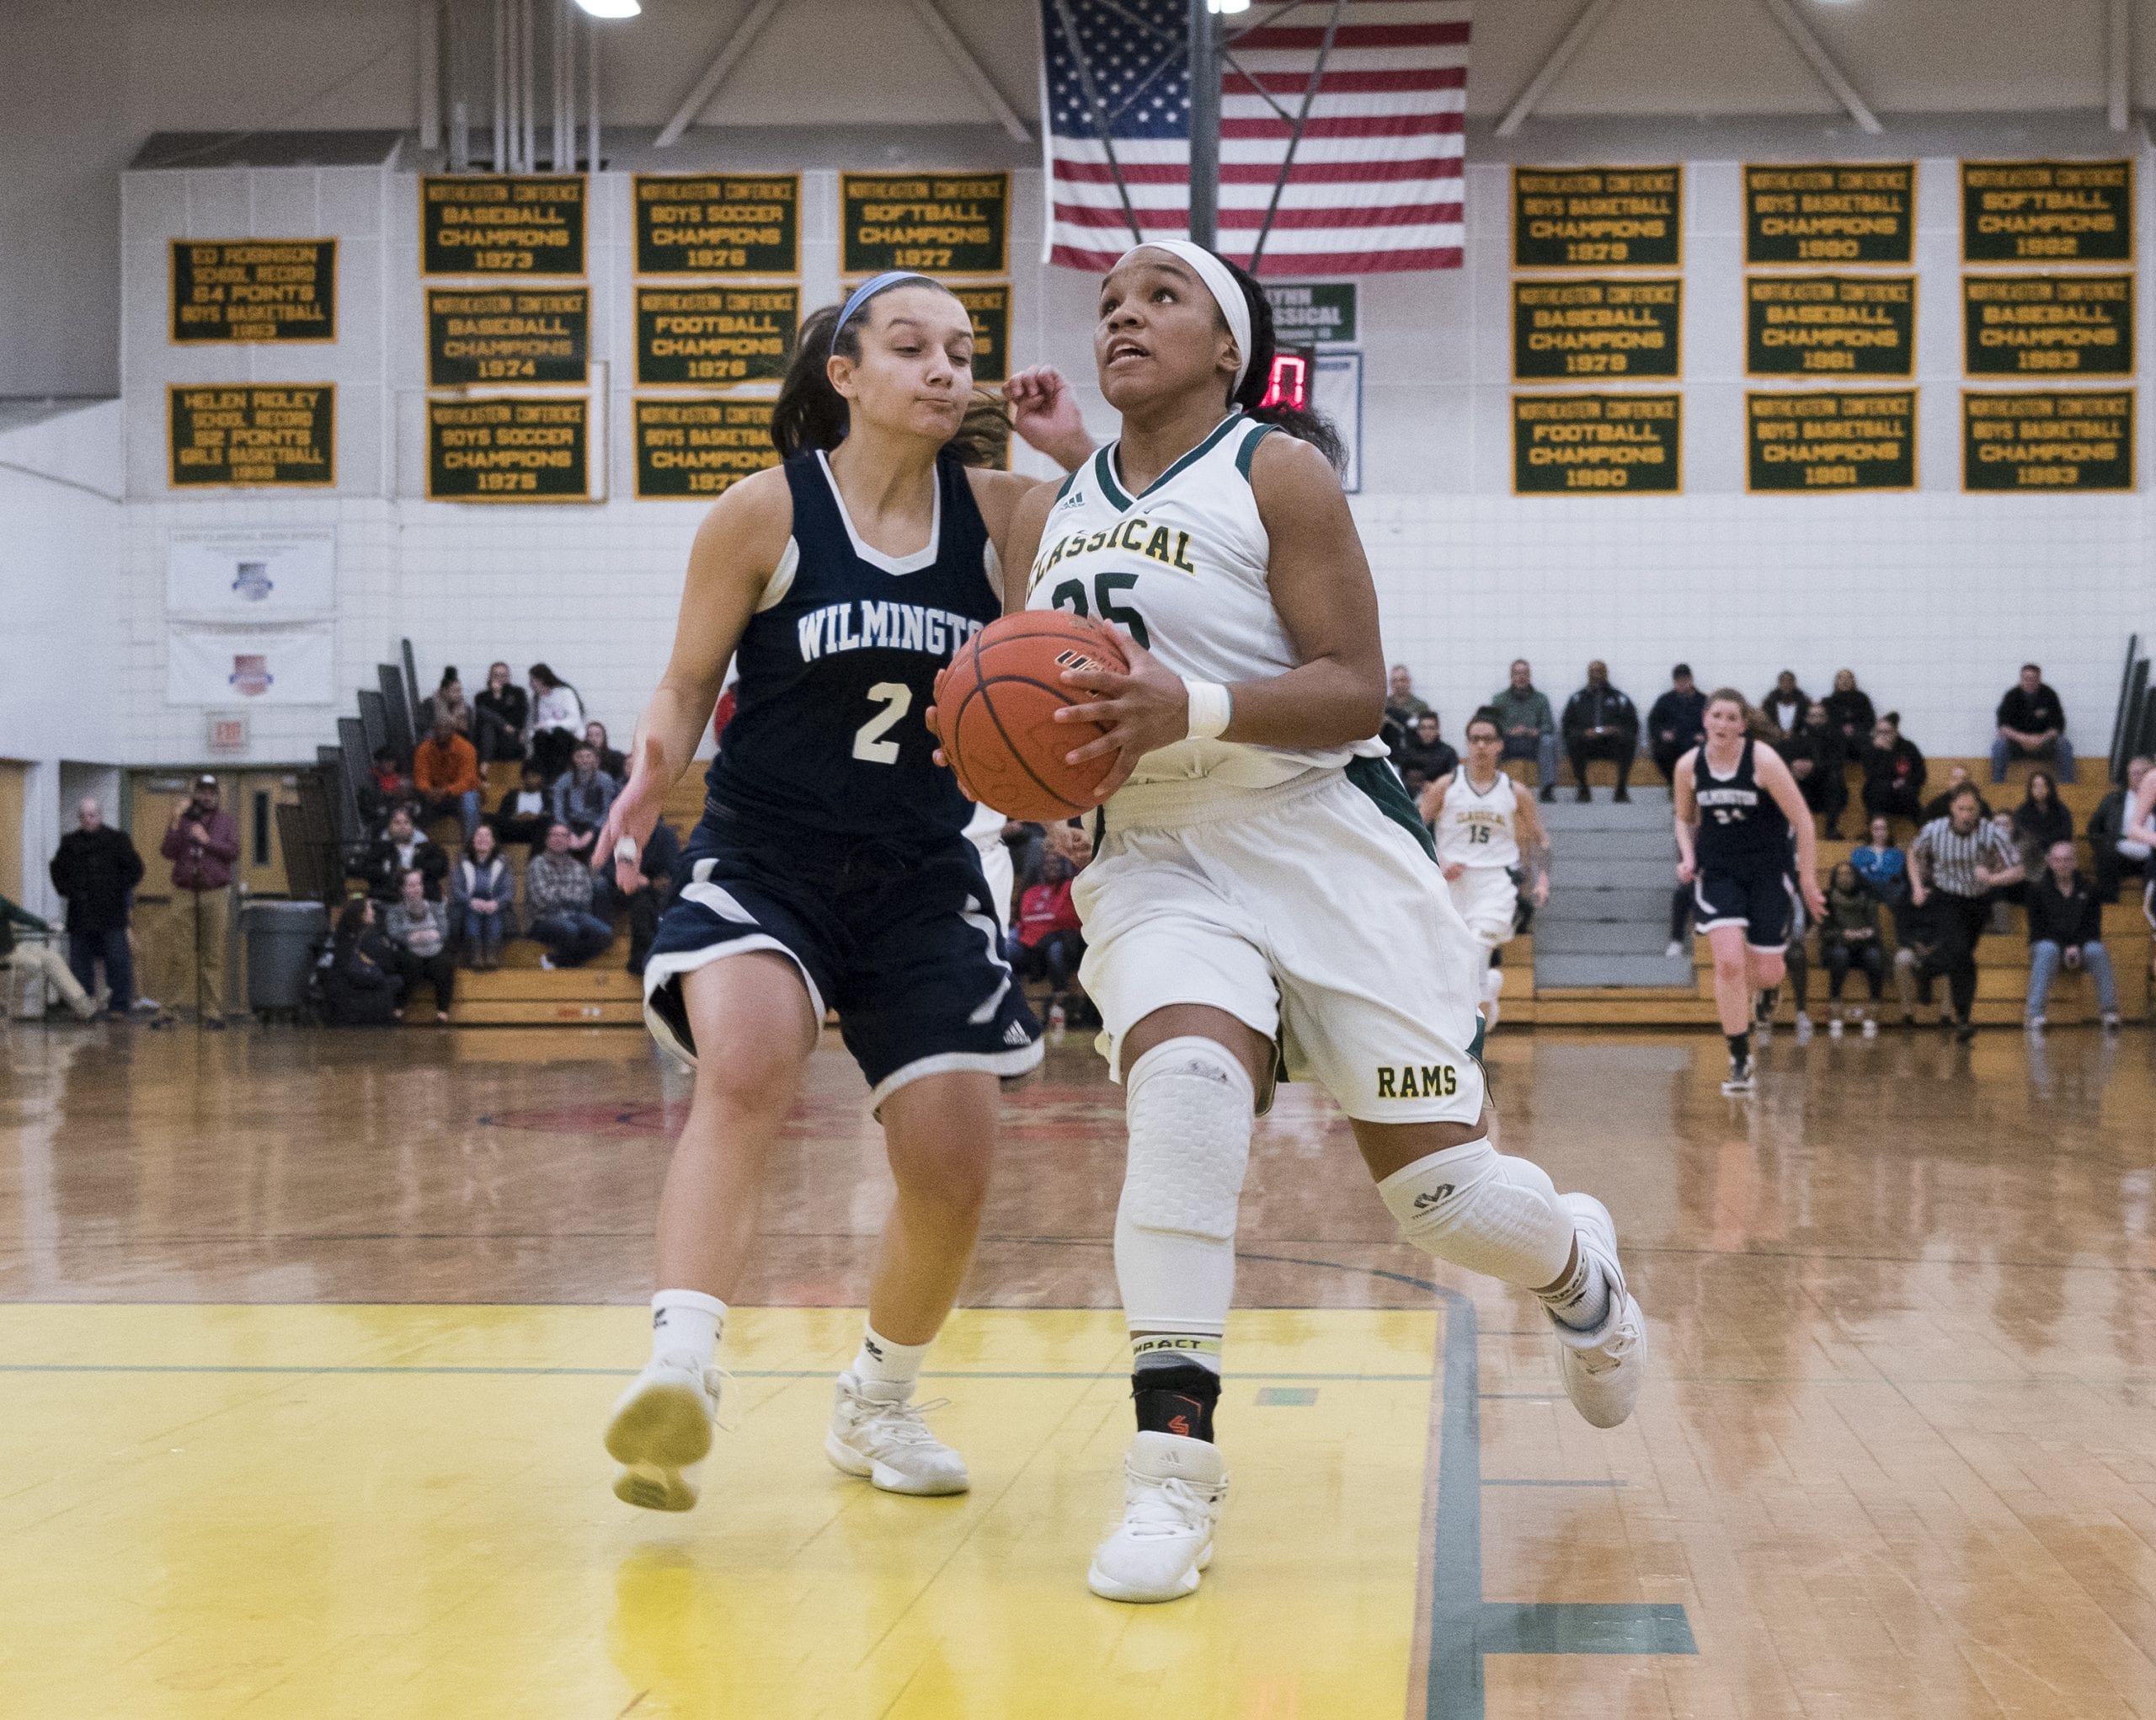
<point x="482" y="901"/>
<point x="1530" y="731"/>
<point x="360" y="982"/>
<point x="388" y="785"/>
<point x="448" y="701"/>
<point x="582" y="796"/>
<point x="2031" y="724"/>
<point x="1402" y="708"/>
<point x="1600" y="722"/>
<point x="1677" y="722"/>
<point x="656" y="882"/>
<point x="419" y="926"/>
<point x="1046" y="943"/>
<point x="525" y="811"/>
<point x="558" y="904"/>
<point x="555" y="723"/>
<point x="2140" y="833"/>
<point x="403" y="847"/>
<point x="2066" y="929"/>
<point x="1786" y="702"/>
<point x="1942" y="804"/>
<point x="499" y="715"/>
<point x="37" y="959"/>
<point x="446" y="776"/>
<point x="2117" y="855"/>
<point x="1424" y="750"/>
<point x="613" y="763"/>
<point x="2040" y="821"/>
<point x="1893" y="772"/>
<point x="1850" y="711"/>
<point x="1884" y="867"/>
<point x="1816" y="759"/>
<point x="1849" y="938"/>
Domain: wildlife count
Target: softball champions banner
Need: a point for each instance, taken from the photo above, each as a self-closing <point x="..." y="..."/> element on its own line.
<point x="1840" y="212"/>
<point x="718" y="223"/>
<point x="1563" y="330"/>
<point x="2047" y="442"/>
<point x="253" y="576"/>
<point x="508" y="335"/>
<point x="694" y="450"/>
<point x="1828" y="444"/>
<point x="2047" y="211"/>
<point x="989" y="309"/>
<point x="222" y="435"/>
<point x="714" y="336"/>
<point x="531" y="450"/>
<point x="279" y="291"/>
<point x="1848" y="325"/>
<point x="1597" y="444"/>
<point x="1619" y="217"/>
<point x="938" y="223"/>
<point x="270" y="665"/>
<point x="493" y="224"/>
<point x="2016" y="325"/>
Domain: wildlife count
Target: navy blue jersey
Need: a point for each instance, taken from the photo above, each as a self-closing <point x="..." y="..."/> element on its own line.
<point x="1742" y="828"/>
<point x="827" y="734"/>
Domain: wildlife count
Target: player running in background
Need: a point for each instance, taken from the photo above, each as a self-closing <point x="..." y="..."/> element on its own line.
<point x="1486" y="831"/>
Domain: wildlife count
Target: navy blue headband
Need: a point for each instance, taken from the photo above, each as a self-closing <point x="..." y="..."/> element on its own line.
<point x="866" y="291"/>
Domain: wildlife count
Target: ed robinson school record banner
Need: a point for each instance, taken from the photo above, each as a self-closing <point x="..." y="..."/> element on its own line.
<point x="281" y="291"/>
<point x="1831" y="443"/>
<point x="718" y="223"/>
<point x="715" y="336"/>
<point x="939" y="223"/>
<point x="1596" y="444"/>
<point x="532" y="449"/>
<point x="1565" y="329"/>
<point x="693" y="449"/>
<point x="2047" y="211"/>
<point x="2049" y="441"/>
<point x="507" y="334"/>
<point x="1837" y="212"/>
<point x="282" y="434"/>
<point x="1850" y="325"/>
<point x="499" y="224"/>
<point x="1619" y="217"/>
<point x="2020" y="325"/>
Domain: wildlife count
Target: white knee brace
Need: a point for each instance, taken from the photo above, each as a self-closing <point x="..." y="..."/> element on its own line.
<point x="1478" y="1209"/>
<point x="1189" y="1104"/>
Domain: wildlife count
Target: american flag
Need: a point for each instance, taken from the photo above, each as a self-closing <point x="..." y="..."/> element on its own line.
<point x="1376" y="181"/>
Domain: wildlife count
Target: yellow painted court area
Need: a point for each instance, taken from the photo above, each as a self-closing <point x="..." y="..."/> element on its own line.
<point x="386" y="1511"/>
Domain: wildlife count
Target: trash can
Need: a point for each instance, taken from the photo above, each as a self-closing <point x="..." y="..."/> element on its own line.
<point x="281" y="941"/>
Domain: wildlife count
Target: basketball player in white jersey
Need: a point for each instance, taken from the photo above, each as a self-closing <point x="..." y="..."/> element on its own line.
<point x="1263" y="894"/>
<point x="1487" y="830"/>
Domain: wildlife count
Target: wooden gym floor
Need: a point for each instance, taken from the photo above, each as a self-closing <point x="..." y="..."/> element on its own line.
<point x="306" y="1340"/>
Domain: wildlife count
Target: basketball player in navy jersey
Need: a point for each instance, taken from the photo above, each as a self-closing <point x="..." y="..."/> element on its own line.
<point x="1737" y="805"/>
<point x="831" y="869"/>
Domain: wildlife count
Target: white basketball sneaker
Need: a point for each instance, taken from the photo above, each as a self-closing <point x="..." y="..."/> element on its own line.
<point x="1602" y="1368"/>
<point x="885" y="1439"/>
<point x="1493" y="984"/>
<point x="661" y="1431"/>
<point x="1171" y="1495"/>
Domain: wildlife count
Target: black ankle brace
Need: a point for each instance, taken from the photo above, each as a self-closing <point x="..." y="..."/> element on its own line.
<point x="1176" y="1400"/>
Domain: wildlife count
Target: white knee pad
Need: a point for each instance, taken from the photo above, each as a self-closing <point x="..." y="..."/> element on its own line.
<point x="1190" y="1110"/>
<point x="1479" y="1209"/>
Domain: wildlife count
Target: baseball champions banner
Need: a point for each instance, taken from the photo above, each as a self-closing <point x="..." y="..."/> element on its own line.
<point x="1563" y="330"/>
<point x="2021" y="325"/>
<point x="508" y="335"/>
<point x="1850" y="325"/>
<point x="497" y="224"/>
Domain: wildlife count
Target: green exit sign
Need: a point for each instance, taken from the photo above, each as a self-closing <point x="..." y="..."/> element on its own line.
<point x="1314" y="313"/>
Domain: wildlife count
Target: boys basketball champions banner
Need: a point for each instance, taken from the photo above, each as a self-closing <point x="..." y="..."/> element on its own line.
<point x="231" y="666"/>
<point x="1376" y="183"/>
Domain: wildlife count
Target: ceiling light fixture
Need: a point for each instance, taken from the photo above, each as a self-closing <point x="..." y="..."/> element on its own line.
<point x="615" y="9"/>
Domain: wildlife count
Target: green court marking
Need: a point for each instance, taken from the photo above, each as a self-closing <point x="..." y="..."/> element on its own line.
<point x="1286" y="1397"/>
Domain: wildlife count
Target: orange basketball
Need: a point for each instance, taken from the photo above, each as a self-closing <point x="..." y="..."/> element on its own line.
<point x="996" y="707"/>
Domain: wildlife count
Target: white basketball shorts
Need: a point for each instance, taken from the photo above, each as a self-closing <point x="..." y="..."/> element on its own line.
<point x="1303" y="911"/>
<point x="1487" y="900"/>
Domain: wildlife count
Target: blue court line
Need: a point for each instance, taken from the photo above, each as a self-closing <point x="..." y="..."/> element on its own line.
<point x="1464" y="1626"/>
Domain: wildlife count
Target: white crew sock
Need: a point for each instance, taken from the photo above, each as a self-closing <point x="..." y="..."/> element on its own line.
<point x="891" y="1369"/>
<point x="1581" y="1299"/>
<point x="687" y="1324"/>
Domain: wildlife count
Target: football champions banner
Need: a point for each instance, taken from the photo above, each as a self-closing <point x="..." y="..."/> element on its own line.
<point x="1597" y="444"/>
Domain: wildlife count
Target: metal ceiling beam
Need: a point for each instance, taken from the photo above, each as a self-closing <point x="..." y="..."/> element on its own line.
<point x="1822" y="65"/>
<point x="722" y="66"/>
<point x="2118" y="64"/>
<point x="960" y="55"/>
<point x="1553" y="68"/>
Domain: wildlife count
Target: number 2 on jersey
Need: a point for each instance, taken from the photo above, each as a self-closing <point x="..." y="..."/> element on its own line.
<point x="896" y="699"/>
<point x="1071" y="595"/>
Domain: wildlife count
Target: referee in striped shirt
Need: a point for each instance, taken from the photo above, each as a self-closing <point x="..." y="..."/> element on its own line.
<point x="1955" y="863"/>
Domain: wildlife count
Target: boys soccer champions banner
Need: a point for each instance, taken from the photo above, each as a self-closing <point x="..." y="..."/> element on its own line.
<point x="1376" y="180"/>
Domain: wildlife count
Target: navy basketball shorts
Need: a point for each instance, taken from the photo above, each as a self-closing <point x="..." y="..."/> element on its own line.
<point x="1763" y="902"/>
<point x="905" y="945"/>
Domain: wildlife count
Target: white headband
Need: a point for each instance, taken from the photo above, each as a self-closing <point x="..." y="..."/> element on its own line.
<point x="1222" y="285"/>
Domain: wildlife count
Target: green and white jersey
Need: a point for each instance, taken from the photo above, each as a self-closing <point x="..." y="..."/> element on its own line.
<point x="1182" y="569"/>
<point x="1479" y="827"/>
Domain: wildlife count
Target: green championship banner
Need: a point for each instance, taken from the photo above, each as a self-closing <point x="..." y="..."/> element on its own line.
<point x="939" y="223"/>
<point x="508" y="450"/>
<point x="990" y="309"/>
<point x="1837" y="212"/>
<point x="283" y="291"/>
<point x="718" y="223"/>
<point x="693" y="449"/>
<point x="2071" y="441"/>
<point x="507" y="335"/>
<point x="2015" y="325"/>
<point x="2047" y="211"/>
<point x="715" y="336"/>
<point x="1831" y="443"/>
<point x="1312" y="313"/>
<point x="1596" y="444"/>
<point x="491" y="224"/>
<point x="282" y="434"/>
<point x="1620" y="217"/>
<point x="1565" y="329"/>
<point x="1811" y="325"/>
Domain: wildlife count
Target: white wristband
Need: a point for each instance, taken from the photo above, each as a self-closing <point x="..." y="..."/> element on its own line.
<point x="1211" y="708"/>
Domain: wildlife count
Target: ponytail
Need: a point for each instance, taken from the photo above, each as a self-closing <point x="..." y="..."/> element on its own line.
<point x="1302" y="424"/>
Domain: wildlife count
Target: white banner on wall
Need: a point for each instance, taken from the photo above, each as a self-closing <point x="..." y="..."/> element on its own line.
<point x="1336" y="392"/>
<point x="244" y="667"/>
<point x="251" y="575"/>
